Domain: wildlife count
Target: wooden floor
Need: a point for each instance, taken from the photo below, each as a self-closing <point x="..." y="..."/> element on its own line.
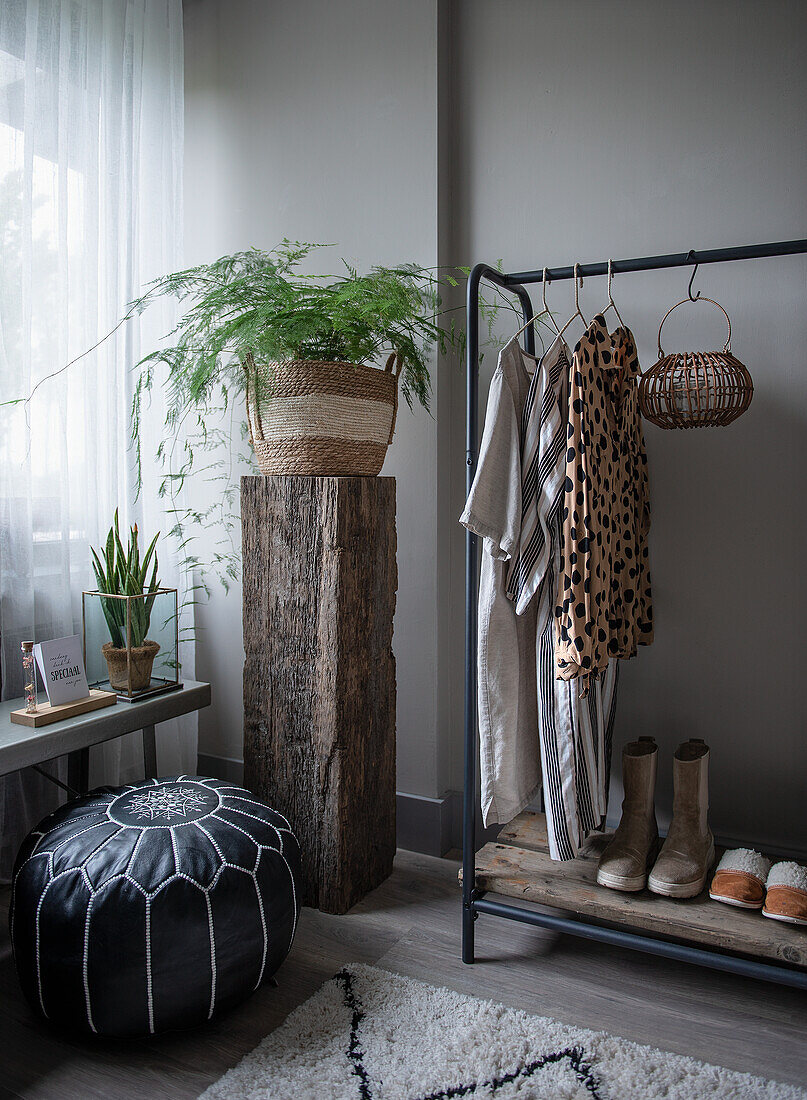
<point x="411" y="926"/>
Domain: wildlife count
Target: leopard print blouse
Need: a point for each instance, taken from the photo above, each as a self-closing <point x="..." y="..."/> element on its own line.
<point x="603" y="608"/>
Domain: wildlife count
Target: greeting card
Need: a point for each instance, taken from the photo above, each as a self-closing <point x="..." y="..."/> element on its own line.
<point x="61" y="667"/>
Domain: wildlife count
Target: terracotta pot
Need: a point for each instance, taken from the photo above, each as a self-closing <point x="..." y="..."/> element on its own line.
<point x="142" y="659"/>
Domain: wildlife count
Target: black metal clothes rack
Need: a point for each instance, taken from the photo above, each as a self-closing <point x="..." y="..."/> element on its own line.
<point x="474" y="900"/>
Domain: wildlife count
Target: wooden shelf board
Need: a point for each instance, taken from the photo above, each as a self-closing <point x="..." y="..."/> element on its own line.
<point x="518" y="865"/>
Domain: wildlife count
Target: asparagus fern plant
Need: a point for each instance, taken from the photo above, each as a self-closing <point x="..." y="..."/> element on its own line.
<point x="256" y="307"/>
<point x="121" y="573"/>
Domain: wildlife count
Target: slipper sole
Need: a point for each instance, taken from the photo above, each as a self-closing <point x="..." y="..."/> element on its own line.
<point x="781" y="917"/>
<point x="733" y="901"/>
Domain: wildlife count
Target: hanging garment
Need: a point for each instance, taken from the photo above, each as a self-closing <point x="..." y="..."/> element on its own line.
<point x="531" y="724"/>
<point x="574" y="735"/>
<point x="509" y="759"/>
<point x="603" y="604"/>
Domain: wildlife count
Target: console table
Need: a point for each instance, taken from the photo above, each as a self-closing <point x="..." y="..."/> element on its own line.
<point x="25" y="746"/>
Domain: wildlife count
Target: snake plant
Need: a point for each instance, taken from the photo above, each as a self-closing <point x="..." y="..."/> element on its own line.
<point x="121" y="573"/>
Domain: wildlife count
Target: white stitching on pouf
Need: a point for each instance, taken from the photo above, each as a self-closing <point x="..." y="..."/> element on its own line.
<point x="158" y="811"/>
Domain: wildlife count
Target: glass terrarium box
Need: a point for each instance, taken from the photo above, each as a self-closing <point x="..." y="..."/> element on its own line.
<point x="131" y="643"/>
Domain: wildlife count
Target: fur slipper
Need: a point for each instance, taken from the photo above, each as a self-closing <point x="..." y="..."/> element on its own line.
<point x="740" y="879"/>
<point x="787" y="893"/>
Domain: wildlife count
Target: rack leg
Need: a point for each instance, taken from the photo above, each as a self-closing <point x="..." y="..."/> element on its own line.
<point x="469" y="914"/>
<point x="468" y="934"/>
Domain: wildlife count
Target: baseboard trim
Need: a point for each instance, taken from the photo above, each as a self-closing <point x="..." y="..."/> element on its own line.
<point x="773" y="851"/>
<point x="429" y="825"/>
<point x="432" y="826"/>
<point x="221" y="767"/>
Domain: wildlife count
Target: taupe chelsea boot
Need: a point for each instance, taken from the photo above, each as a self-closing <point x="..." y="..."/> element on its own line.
<point x="689" y="850"/>
<point x="624" y="863"/>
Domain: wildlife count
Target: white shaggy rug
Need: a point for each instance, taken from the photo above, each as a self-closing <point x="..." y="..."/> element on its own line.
<point x="372" y="1035"/>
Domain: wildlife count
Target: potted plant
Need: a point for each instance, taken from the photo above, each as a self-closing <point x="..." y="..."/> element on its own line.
<point x="127" y="599"/>
<point x="300" y="350"/>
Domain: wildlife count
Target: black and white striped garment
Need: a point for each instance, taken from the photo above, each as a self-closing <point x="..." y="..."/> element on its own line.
<point x="575" y="734"/>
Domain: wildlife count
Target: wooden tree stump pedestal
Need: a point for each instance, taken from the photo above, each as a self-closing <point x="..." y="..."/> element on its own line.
<point x="320" y="578"/>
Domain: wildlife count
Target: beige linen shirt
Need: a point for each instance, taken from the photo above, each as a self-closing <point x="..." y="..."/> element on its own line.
<point x="508" y="707"/>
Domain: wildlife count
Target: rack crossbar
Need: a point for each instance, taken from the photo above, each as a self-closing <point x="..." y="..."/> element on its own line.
<point x="735" y="964"/>
<point x="656" y="263"/>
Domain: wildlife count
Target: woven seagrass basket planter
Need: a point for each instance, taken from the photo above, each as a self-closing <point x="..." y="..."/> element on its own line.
<point x="321" y="419"/>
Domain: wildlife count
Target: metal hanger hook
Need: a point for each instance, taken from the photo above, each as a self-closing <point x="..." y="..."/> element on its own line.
<point x="611" y="303"/>
<point x="577" y="277"/>
<point x="693" y="297"/>
<point x="547" y="311"/>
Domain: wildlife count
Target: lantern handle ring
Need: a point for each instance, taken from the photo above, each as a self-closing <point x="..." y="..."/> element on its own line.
<point x="697" y="298"/>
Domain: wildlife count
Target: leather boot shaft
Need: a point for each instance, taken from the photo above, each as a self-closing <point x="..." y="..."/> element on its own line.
<point x="639" y="770"/>
<point x="688" y="851"/>
<point x="623" y="864"/>
<point x="691" y="785"/>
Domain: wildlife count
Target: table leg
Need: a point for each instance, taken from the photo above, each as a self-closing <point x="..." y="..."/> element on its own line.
<point x="78" y="770"/>
<point x="149" y="752"/>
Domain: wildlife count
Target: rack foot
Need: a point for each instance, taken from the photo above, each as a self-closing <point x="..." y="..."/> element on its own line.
<point x="468" y="917"/>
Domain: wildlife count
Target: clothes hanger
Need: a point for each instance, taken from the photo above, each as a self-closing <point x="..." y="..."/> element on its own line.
<point x="540" y="317"/>
<point x="577" y="311"/>
<point x="611" y="302"/>
<point x="544" y="283"/>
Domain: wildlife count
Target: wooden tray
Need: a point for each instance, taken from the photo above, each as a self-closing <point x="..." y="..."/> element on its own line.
<point x="518" y="865"/>
<point x="45" y="713"/>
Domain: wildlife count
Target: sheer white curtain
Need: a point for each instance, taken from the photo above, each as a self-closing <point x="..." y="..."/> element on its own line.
<point x="90" y="209"/>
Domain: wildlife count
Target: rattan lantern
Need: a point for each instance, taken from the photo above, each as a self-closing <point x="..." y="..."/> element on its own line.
<point x="695" y="389"/>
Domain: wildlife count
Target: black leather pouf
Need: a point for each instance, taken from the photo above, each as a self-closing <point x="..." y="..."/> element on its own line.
<point x="142" y="908"/>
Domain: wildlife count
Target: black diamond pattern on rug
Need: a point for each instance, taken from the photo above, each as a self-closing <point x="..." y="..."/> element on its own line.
<point x="574" y="1057"/>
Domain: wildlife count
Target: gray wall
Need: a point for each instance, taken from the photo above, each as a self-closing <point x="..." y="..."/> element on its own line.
<point x="318" y="122"/>
<point x="588" y="130"/>
<point x="541" y="134"/>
